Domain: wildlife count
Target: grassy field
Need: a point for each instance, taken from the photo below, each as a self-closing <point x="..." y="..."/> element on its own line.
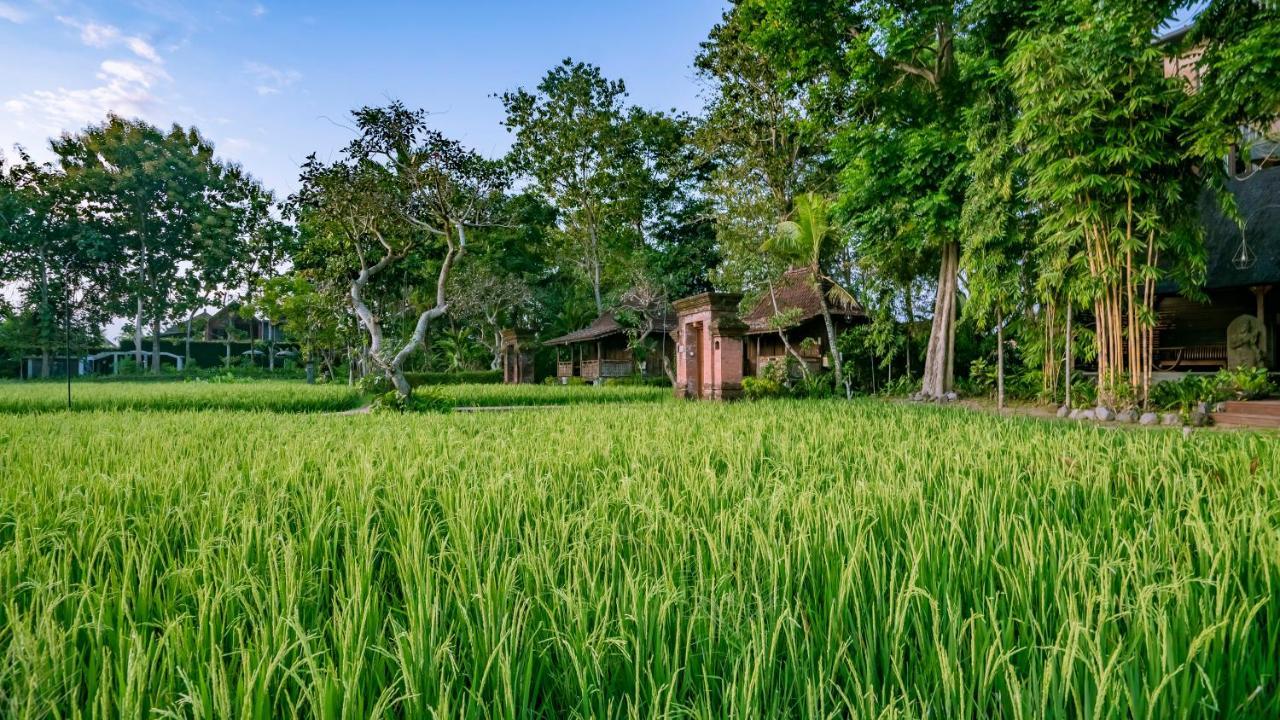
<point x="291" y="396"/>
<point x="287" y="396"/>
<point x="526" y="395"/>
<point x="675" y="560"/>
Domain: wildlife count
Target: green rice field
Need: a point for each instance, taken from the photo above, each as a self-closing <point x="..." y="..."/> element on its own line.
<point x="642" y="560"/>
<point x="290" y="396"/>
<point x="285" y="396"/>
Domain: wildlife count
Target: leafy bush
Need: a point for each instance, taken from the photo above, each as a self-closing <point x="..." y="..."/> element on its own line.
<point x="816" y="386"/>
<point x="374" y="384"/>
<point x="421" y="401"/>
<point x="1189" y="391"/>
<point x="761" y="388"/>
<point x="901" y="386"/>
<point x="982" y="378"/>
<point x="1084" y="391"/>
<point x="1244" y="383"/>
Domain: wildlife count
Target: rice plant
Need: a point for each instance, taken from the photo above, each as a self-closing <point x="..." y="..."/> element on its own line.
<point x="525" y="395"/>
<point x="656" y="560"/>
<point x="263" y="395"/>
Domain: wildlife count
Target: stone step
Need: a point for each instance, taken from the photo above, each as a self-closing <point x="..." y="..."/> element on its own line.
<point x="1237" y="419"/>
<point x="1253" y="407"/>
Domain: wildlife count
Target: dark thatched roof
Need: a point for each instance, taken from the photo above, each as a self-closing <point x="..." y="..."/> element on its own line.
<point x="603" y="327"/>
<point x="794" y="291"/>
<point x="1258" y="200"/>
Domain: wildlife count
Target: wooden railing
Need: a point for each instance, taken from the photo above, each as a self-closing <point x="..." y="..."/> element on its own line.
<point x="564" y="368"/>
<point x="1172" y="357"/>
<point x="592" y="369"/>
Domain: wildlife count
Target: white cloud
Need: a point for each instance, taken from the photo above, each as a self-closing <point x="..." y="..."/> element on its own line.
<point x="259" y="10"/>
<point x="105" y="36"/>
<point x="11" y="13"/>
<point x="144" y="75"/>
<point x="125" y="90"/>
<point x="270" y="81"/>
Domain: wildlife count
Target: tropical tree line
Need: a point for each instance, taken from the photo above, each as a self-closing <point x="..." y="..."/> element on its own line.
<point x="981" y="174"/>
<point x="1020" y="167"/>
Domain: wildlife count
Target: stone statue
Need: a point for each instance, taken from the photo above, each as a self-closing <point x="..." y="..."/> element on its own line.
<point x="1244" y="342"/>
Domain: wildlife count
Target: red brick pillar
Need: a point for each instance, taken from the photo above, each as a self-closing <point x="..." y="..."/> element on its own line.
<point x="709" y="350"/>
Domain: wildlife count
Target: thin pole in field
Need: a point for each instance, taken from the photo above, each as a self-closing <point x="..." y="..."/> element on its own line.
<point x="68" y="339"/>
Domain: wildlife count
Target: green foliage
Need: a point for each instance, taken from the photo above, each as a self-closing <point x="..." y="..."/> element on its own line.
<point x="1189" y="391"/>
<point x="424" y="400"/>
<point x="374" y="384"/>
<point x="762" y="388"/>
<point x="462" y="377"/>
<point x="220" y="393"/>
<point x="816" y="386"/>
<point x="565" y="565"/>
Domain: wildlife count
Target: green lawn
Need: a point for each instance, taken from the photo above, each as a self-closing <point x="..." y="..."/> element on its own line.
<point x="788" y="559"/>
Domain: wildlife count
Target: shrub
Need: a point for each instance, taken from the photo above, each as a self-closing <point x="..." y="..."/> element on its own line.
<point x="1244" y="383"/>
<point x="461" y="377"/>
<point x="761" y="388"/>
<point x="374" y="384"/>
<point x="815" y="386"/>
<point x="1189" y="391"/>
<point x="901" y="386"/>
<point x="421" y="401"/>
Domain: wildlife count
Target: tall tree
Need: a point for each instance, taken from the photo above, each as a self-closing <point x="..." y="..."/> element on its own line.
<point x="49" y="256"/>
<point x="762" y="142"/>
<point x="892" y="71"/>
<point x="158" y="201"/>
<point x="1236" y="94"/>
<point x="392" y="212"/>
<point x="573" y="139"/>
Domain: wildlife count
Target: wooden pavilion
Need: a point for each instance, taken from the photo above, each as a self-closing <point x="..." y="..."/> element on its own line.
<point x="1242" y="271"/>
<point x="794" y="294"/>
<point x="603" y="350"/>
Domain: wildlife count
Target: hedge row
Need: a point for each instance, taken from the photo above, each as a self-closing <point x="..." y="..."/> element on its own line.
<point x="465" y="377"/>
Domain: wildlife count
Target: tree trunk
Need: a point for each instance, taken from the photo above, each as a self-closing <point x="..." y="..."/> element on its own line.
<point x="911" y="323"/>
<point x="155" y="345"/>
<point x="831" y="339"/>
<point x="1069" y="363"/>
<point x="939" y="364"/>
<point x="782" y="334"/>
<point x="999" y="361"/>
<point x="137" y="335"/>
<point x="44" y="362"/>
<point x="186" y="352"/>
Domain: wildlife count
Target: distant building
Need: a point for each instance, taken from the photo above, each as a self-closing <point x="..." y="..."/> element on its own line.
<point x="603" y="350"/>
<point x="794" y="296"/>
<point x="1243" y="263"/>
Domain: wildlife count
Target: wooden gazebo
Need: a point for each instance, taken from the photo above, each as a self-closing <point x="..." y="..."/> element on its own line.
<point x="600" y="350"/>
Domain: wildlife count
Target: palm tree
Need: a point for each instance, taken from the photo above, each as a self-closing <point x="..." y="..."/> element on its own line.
<point x="801" y="241"/>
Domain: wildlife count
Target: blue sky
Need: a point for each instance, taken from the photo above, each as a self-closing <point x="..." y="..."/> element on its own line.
<point x="269" y="82"/>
